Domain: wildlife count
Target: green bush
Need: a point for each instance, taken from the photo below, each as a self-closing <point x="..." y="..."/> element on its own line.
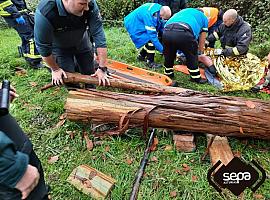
<point x="253" y="11"/>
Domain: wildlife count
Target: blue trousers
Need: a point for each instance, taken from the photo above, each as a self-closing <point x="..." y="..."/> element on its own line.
<point x="26" y="33"/>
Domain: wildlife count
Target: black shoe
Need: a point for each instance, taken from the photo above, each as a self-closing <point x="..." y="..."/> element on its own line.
<point x="36" y="65"/>
<point x="198" y="80"/>
<point x="153" y="65"/>
<point x="140" y="58"/>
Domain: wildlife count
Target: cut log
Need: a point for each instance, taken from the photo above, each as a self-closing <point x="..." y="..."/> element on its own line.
<point x="121" y="83"/>
<point x="189" y="111"/>
<point x="220" y="150"/>
<point x="184" y="142"/>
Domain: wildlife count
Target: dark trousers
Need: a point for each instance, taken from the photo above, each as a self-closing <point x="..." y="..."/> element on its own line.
<point x="72" y="60"/>
<point x="26" y="33"/>
<point x="148" y="51"/>
<point x="176" y="37"/>
<point x="12" y="129"/>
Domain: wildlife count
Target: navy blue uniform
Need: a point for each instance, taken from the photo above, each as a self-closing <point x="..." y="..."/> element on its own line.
<point x="11" y="10"/>
<point x="67" y="37"/>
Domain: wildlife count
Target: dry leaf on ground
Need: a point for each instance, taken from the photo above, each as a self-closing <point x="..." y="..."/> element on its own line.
<point x="129" y="161"/>
<point x="89" y="143"/>
<point x="186" y="168"/>
<point x="168" y="148"/>
<point x="33" y="84"/>
<point x="194" y="178"/>
<point x="154" y="144"/>
<point x="154" y="159"/>
<point x="258" y="196"/>
<point x="60" y="123"/>
<point x="107" y="148"/>
<point x="173" y="194"/>
<point x="53" y="159"/>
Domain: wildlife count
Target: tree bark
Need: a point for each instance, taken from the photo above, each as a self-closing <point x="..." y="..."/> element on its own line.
<point x="187" y="111"/>
<point x="121" y="83"/>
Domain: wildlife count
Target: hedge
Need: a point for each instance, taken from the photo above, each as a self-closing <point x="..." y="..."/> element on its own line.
<point x="253" y="11"/>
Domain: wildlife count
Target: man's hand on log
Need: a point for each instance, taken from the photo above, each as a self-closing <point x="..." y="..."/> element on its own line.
<point x="103" y="77"/>
<point x="57" y="76"/>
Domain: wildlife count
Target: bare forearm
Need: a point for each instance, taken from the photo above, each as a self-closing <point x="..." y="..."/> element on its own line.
<point x="51" y="62"/>
<point x="202" y="41"/>
<point x="102" y="55"/>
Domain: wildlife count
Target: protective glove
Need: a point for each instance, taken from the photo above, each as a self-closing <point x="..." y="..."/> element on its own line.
<point x="218" y="52"/>
<point x="20" y="20"/>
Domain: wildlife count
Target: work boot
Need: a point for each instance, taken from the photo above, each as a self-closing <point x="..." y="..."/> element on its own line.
<point x="37" y="66"/>
<point x="198" y="80"/>
<point x="153" y="64"/>
<point x="140" y="58"/>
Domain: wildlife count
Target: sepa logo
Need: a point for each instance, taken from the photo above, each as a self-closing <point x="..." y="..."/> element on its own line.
<point x="236" y="176"/>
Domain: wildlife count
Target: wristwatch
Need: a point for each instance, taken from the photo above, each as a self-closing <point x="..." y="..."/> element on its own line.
<point x="104" y="69"/>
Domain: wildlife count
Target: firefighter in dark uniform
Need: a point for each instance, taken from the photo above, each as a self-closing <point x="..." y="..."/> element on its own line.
<point x="63" y="29"/>
<point x="17" y="16"/>
<point x="175" y="5"/>
<point x="234" y="34"/>
<point x="181" y="32"/>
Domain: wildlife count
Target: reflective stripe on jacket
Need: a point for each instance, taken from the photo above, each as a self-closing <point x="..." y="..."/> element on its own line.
<point x="234" y="40"/>
<point x="142" y="25"/>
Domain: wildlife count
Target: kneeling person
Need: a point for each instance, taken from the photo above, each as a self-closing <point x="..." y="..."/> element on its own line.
<point x="143" y="25"/>
<point x="181" y="32"/>
<point x="63" y="40"/>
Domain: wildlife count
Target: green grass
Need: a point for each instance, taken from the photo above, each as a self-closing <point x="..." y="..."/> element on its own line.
<point x="38" y="113"/>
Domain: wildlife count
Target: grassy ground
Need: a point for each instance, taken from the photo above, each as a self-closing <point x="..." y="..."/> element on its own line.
<point x="38" y="113"/>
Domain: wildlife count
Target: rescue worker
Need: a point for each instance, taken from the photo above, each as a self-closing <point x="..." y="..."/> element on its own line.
<point x="143" y="25"/>
<point x="234" y="35"/>
<point x="181" y="32"/>
<point x="63" y="29"/>
<point x="21" y="173"/>
<point x="17" y="16"/>
<point x="175" y="5"/>
<point x="214" y="17"/>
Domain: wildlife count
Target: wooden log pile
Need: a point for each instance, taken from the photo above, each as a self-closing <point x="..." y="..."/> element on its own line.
<point x="188" y="110"/>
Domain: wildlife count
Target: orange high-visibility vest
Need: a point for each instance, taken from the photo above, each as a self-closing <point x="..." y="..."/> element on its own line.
<point x="211" y="14"/>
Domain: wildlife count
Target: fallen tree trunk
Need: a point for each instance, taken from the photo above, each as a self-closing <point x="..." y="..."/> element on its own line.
<point x="188" y="111"/>
<point x="120" y="83"/>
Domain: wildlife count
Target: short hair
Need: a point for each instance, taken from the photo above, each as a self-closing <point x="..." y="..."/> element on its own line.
<point x="166" y="12"/>
<point x="231" y="13"/>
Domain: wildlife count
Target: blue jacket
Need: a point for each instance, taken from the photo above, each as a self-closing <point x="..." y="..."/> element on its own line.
<point x="12" y="163"/>
<point x="193" y="17"/>
<point x="143" y="25"/>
